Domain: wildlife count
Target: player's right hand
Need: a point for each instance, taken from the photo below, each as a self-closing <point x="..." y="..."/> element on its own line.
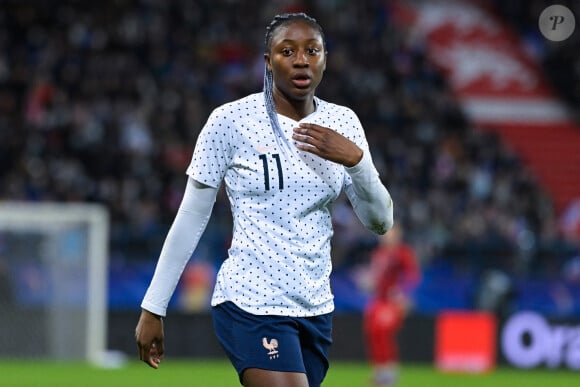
<point x="150" y="338"/>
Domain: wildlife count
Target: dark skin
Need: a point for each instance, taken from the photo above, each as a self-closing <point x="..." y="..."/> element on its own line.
<point x="297" y="59"/>
<point x="150" y="338"/>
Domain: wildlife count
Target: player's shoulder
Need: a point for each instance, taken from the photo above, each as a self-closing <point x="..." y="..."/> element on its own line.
<point x="249" y="104"/>
<point x="230" y="117"/>
<point x="334" y="112"/>
<point x="334" y="108"/>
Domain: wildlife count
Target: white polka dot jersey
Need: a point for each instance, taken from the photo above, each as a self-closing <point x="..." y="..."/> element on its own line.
<point x="279" y="261"/>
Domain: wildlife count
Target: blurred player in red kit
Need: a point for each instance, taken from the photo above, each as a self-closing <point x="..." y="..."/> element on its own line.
<point x="395" y="273"/>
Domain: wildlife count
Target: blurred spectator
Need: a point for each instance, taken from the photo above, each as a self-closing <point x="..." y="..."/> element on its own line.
<point x="495" y="293"/>
<point x="102" y="102"/>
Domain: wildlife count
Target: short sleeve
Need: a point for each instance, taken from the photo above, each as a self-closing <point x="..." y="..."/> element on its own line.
<point x="212" y="153"/>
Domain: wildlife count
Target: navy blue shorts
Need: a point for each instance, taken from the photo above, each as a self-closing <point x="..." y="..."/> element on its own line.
<point x="277" y="343"/>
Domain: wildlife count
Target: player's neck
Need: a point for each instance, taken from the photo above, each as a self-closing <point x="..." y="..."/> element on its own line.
<point x="295" y="109"/>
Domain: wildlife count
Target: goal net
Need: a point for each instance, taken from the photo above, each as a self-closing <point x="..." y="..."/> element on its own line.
<point x="53" y="280"/>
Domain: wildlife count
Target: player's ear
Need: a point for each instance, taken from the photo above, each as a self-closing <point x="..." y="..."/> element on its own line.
<point x="268" y="62"/>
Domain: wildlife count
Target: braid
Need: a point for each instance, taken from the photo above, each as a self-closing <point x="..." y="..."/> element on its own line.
<point x="277" y="22"/>
<point x="285" y="18"/>
<point x="271" y="108"/>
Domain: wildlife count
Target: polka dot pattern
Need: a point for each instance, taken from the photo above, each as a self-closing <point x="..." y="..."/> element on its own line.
<point x="279" y="260"/>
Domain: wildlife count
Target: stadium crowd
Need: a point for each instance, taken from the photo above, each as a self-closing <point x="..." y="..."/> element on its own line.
<point x="102" y="102"/>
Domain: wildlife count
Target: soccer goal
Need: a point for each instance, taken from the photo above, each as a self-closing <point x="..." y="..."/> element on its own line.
<point x="53" y="280"/>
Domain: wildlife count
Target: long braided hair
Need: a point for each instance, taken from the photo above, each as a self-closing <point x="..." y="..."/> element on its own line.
<point x="275" y="24"/>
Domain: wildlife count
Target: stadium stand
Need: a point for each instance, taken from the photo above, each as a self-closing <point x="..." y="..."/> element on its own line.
<point x="102" y="102"/>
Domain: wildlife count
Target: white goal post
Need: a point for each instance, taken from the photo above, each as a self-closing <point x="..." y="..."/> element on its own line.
<point x="66" y="247"/>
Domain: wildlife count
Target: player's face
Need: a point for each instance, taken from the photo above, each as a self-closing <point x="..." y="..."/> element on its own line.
<point x="297" y="60"/>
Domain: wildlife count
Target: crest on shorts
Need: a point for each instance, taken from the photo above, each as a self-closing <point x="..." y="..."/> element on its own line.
<point x="271" y="347"/>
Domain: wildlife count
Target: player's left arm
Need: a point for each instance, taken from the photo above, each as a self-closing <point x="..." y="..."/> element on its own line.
<point x="370" y="199"/>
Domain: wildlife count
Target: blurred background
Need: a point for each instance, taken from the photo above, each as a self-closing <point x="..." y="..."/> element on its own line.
<point x="472" y="115"/>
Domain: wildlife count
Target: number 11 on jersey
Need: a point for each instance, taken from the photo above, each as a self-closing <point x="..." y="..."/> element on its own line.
<point x="264" y="159"/>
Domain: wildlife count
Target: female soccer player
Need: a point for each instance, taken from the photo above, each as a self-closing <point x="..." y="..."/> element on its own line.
<point x="284" y="155"/>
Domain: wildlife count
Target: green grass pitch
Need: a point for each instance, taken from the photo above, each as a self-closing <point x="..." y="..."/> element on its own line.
<point x="215" y="373"/>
